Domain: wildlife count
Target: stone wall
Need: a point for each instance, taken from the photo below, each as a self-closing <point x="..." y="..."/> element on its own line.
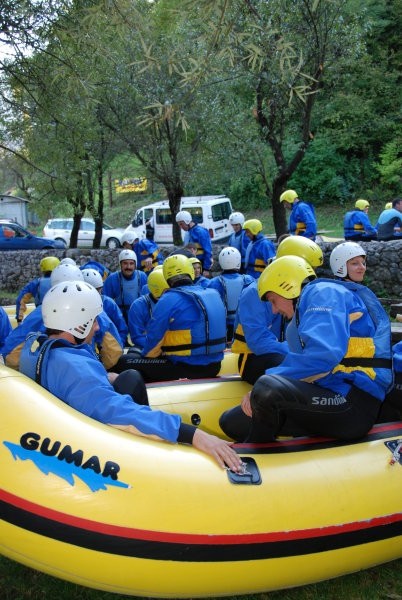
<point x="384" y="259"/>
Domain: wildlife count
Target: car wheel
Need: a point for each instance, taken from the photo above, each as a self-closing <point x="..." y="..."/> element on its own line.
<point x="61" y="240"/>
<point x="112" y="243"/>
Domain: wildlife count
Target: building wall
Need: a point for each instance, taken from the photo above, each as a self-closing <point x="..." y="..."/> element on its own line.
<point x="12" y="207"/>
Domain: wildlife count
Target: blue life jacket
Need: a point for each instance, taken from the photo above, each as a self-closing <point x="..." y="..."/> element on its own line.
<point x="381" y="361"/>
<point x="204" y="329"/>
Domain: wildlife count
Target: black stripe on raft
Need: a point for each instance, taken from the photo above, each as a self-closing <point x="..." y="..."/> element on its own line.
<point x="177" y="547"/>
<point x="302" y="444"/>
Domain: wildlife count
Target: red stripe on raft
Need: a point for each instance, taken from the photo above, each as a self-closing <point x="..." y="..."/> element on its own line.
<point x="194" y="539"/>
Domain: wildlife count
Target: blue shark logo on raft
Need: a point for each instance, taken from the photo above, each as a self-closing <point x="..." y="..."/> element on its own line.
<point x="52" y="457"/>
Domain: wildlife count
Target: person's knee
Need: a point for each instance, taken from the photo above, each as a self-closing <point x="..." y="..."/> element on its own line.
<point x="269" y="391"/>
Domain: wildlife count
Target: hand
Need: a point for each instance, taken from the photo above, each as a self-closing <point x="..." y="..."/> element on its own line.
<point x="219" y="449"/>
<point x="112" y="377"/>
<point x="246" y="405"/>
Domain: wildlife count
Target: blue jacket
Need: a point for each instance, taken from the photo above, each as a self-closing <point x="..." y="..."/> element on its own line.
<point x="75" y="375"/>
<point x="397" y="353"/>
<point x="387" y="221"/>
<point x="106" y="340"/>
<point x="124" y="291"/>
<point x="139" y="315"/>
<point x="200" y="237"/>
<point x="147" y="249"/>
<point x="115" y="315"/>
<point x="229" y="286"/>
<point x="240" y="241"/>
<point x="335" y="340"/>
<point x="188" y="325"/>
<point x="257" y="329"/>
<point x="258" y="254"/>
<point x="357" y="224"/>
<point x="302" y="220"/>
<point x="35" y="289"/>
<point x="5" y="328"/>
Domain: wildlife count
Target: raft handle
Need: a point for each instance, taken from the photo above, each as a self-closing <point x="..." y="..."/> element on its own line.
<point x="250" y="475"/>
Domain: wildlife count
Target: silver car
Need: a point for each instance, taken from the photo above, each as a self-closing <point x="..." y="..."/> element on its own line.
<point x="60" y="229"/>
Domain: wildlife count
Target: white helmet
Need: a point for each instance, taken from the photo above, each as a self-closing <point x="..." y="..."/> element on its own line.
<point x="128" y="237"/>
<point x="68" y="261"/>
<point x="93" y="277"/>
<point x="229" y="258"/>
<point x="185" y="216"/>
<point x="65" y="272"/>
<point x="236" y="218"/>
<point x="340" y="256"/>
<point x="71" y="306"/>
<point x="127" y="255"/>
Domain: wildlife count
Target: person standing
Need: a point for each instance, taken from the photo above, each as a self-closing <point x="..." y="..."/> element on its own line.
<point x="37" y="288"/>
<point x="199" y="236"/>
<point x="260" y="251"/>
<point x="389" y="224"/>
<point x="126" y="285"/>
<point x="302" y="219"/>
<point x="238" y="239"/>
<point x="356" y="224"/>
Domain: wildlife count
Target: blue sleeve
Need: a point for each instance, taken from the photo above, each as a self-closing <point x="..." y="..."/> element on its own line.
<point x="325" y="332"/>
<point x="159" y="323"/>
<point x="307" y="217"/>
<point x="256" y="318"/>
<point x="32" y="322"/>
<point x="138" y="319"/>
<point x="91" y="394"/>
<point x="368" y="228"/>
<point x="110" y="286"/>
<point x="115" y="315"/>
<point x="5" y="327"/>
<point x="201" y="236"/>
<point x="29" y="290"/>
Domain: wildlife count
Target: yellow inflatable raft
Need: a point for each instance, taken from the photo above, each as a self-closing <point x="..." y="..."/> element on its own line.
<point x="93" y="505"/>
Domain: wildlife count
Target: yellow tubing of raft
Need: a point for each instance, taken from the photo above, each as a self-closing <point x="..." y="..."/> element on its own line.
<point x="171" y="523"/>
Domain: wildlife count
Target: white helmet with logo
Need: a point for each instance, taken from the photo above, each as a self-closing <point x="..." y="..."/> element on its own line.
<point x="185" y="216"/>
<point x="340" y="256"/>
<point x="93" y="277"/>
<point x="71" y="306"/>
<point x="65" y="272"/>
<point x="127" y="255"/>
<point x="229" y="259"/>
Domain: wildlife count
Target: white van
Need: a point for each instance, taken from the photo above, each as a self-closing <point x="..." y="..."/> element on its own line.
<point x="212" y="212"/>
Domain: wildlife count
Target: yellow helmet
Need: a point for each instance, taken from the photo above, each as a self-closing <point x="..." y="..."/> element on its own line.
<point x="361" y="204"/>
<point x="253" y="225"/>
<point x="388" y="205"/>
<point x="157" y="283"/>
<point x="297" y="245"/>
<point x="194" y="260"/>
<point x="288" y="196"/>
<point x="48" y="263"/>
<point x="178" y="264"/>
<point x="285" y="277"/>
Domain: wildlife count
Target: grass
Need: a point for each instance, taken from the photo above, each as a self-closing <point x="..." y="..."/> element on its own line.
<point x="380" y="583"/>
